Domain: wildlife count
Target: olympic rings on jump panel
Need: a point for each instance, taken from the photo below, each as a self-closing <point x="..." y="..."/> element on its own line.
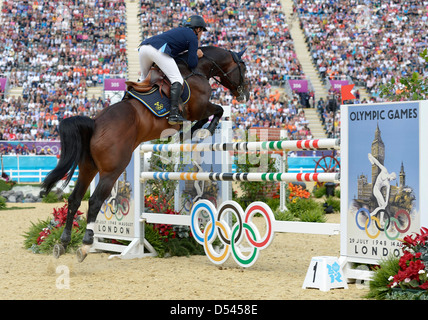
<point x="231" y="238"/>
<point x="389" y="221"/>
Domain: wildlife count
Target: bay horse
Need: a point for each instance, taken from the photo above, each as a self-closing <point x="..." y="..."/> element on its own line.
<point x="105" y="143"/>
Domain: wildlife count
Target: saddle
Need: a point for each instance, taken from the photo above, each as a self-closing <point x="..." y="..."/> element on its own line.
<point x="154" y="92"/>
<point x="155" y="77"/>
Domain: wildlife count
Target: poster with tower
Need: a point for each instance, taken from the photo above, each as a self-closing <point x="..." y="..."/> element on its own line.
<point x="383" y="177"/>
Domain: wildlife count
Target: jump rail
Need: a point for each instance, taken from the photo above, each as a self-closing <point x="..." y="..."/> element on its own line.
<point x="293" y="145"/>
<point x="226" y="176"/>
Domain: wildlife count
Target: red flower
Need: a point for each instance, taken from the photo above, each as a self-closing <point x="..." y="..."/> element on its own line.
<point x="424" y="286"/>
<point x="42" y="235"/>
<point x="412" y="271"/>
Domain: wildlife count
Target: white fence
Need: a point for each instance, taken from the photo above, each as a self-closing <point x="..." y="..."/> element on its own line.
<point x="33" y="175"/>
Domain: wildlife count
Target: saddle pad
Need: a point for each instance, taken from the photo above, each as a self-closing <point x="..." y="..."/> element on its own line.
<point x="158" y="103"/>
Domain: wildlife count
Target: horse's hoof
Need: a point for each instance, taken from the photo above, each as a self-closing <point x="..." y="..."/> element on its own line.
<point x="82" y="252"/>
<point x="202" y="134"/>
<point x="58" y="250"/>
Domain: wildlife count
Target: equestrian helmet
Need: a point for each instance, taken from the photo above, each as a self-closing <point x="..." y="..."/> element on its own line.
<point x="195" y="22"/>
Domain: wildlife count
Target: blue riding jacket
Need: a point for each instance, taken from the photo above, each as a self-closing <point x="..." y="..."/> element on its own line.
<point x="175" y="41"/>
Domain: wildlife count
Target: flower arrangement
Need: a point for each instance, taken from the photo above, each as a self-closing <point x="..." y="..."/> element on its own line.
<point x="160" y="205"/>
<point x="413" y="264"/>
<point x="43" y="235"/>
<point x="297" y="191"/>
<point x="169" y="240"/>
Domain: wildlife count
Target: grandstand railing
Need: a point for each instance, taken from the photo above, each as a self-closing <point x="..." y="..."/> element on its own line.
<point x="36" y="176"/>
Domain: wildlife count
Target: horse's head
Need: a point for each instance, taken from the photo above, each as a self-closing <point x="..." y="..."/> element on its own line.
<point x="230" y="68"/>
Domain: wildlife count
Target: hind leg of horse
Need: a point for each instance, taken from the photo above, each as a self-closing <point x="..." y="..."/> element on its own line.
<point x="102" y="191"/>
<point x="74" y="201"/>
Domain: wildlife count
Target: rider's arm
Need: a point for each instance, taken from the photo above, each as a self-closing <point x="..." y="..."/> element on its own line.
<point x="192" y="59"/>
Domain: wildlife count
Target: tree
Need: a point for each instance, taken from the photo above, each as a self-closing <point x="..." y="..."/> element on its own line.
<point x="413" y="87"/>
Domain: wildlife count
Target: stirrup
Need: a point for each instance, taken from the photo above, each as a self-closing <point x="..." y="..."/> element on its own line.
<point x="175" y="119"/>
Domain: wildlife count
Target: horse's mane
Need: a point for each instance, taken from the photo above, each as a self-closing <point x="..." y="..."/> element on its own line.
<point x="215" y="51"/>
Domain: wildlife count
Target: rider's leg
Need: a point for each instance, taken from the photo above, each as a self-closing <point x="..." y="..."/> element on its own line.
<point x="174" y="115"/>
<point x="170" y="69"/>
<point x="146" y="54"/>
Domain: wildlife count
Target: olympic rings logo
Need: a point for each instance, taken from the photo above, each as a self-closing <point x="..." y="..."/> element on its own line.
<point x="243" y="228"/>
<point x="400" y="222"/>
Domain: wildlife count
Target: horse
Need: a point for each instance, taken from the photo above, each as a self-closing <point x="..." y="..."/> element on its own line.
<point x="104" y="144"/>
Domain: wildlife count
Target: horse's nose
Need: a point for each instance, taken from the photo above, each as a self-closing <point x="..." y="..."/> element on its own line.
<point x="244" y="96"/>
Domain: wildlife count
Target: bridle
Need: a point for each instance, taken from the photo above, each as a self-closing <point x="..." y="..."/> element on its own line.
<point x="240" y="87"/>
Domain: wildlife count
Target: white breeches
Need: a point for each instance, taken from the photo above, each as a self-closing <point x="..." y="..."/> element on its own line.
<point x="149" y="54"/>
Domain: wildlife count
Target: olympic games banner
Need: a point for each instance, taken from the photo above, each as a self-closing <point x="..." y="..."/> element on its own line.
<point x="384" y="177"/>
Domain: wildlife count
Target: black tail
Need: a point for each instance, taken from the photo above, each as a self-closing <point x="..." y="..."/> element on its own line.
<point x="75" y="134"/>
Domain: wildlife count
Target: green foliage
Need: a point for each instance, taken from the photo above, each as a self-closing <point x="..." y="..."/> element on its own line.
<point x="379" y="283"/>
<point x="2" y="203"/>
<point x="412" y="87"/>
<point x="164" y="162"/>
<point x="335" y="203"/>
<point x="65" y="196"/>
<point x="337" y="193"/>
<point x="407" y="295"/>
<point x="254" y="162"/>
<point x="33" y="234"/>
<point x="54" y="238"/>
<point x="51" y="197"/>
<point x="172" y="247"/>
<point x="152" y="236"/>
<point x="307" y="210"/>
<point x="6" y="186"/>
<point x="286" y="215"/>
<point x="183" y="247"/>
<point x="319" y="191"/>
<point x="43" y="235"/>
<point x="316" y="215"/>
<point x="273" y="203"/>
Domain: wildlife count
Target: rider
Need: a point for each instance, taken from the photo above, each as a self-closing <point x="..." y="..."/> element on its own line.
<point x="163" y="48"/>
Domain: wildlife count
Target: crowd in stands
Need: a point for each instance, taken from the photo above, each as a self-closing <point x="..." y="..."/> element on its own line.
<point x="55" y="50"/>
<point x="368" y="41"/>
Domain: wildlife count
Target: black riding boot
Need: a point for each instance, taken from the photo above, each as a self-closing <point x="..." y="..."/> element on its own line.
<point x="174" y="115"/>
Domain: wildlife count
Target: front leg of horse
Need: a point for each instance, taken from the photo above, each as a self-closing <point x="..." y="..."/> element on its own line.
<point x="218" y="113"/>
<point x="198" y="126"/>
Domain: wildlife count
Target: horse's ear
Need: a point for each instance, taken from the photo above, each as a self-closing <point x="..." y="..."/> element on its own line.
<point x="241" y="53"/>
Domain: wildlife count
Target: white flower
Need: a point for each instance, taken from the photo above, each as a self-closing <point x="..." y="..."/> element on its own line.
<point x="421" y="271"/>
<point x="407" y="280"/>
<point x="390" y="278"/>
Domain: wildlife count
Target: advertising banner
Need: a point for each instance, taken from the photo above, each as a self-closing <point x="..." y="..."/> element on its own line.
<point x="299" y="85"/>
<point x="3" y="84"/>
<point x="114" y="85"/>
<point x="337" y="84"/>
